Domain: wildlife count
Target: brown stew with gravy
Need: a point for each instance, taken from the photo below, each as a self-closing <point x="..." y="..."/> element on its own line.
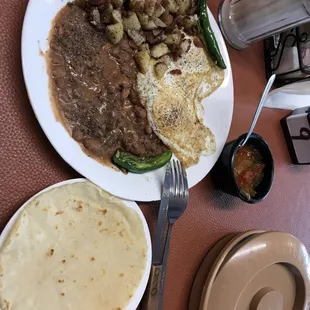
<point x="93" y="87"/>
<point x="248" y="169"/>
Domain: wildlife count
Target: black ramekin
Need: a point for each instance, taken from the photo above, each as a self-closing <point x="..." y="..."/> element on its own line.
<point x="223" y="172"/>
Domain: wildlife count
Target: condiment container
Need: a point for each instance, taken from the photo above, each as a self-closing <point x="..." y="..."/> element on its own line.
<point x="223" y="172"/>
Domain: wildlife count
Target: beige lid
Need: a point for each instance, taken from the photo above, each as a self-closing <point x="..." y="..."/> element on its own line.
<point x="211" y="265"/>
<point x="268" y="271"/>
<point x="220" y="261"/>
<point x="204" y="270"/>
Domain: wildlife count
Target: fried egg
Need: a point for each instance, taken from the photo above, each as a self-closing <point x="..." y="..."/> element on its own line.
<point x="174" y="103"/>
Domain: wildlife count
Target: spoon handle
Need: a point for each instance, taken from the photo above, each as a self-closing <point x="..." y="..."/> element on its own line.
<point x="259" y="108"/>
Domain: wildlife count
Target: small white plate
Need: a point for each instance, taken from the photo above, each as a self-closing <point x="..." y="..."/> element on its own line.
<point x="139" y="187"/>
<point x="135" y="300"/>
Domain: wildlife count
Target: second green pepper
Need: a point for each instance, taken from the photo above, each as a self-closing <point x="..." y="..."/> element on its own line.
<point x="208" y="35"/>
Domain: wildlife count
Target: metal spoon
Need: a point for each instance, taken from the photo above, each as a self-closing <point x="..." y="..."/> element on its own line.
<point x="259" y="108"/>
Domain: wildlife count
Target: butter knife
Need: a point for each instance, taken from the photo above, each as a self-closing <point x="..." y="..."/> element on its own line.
<point x="150" y="301"/>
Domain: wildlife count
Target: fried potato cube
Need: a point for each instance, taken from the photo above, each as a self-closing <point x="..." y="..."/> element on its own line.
<point x="149" y="7"/>
<point x="144" y="47"/>
<point x="160" y="69"/>
<point x="159" y="10"/>
<point x="159" y="50"/>
<point x="189" y="21"/>
<point x="117" y="4"/>
<point x="150" y="25"/>
<point x="157" y="32"/>
<point x="184" y="6"/>
<point x="172" y="6"/>
<point x="165" y="59"/>
<point x="143" y="61"/>
<point x="137" y="37"/>
<point x="115" y="32"/>
<point x="185" y="45"/>
<point x="173" y="38"/>
<point x="166" y="18"/>
<point x="143" y="18"/>
<point x="116" y="16"/>
<point x="159" y="23"/>
<point x="131" y="22"/>
<point x="106" y="14"/>
<point x="137" y="5"/>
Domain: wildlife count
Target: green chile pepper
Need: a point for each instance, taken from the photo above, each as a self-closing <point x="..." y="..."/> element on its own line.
<point x="207" y="33"/>
<point x="135" y="164"/>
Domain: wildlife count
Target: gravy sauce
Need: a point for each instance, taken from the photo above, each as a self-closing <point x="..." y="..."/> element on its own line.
<point x="93" y="87"/>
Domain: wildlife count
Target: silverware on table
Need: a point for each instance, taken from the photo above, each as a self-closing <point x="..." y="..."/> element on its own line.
<point x="259" y="108"/>
<point x="178" y="200"/>
<point x="173" y="203"/>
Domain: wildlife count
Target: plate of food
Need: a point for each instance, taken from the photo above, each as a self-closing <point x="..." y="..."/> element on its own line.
<point x="74" y="246"/>
<point x="119" y="87"/>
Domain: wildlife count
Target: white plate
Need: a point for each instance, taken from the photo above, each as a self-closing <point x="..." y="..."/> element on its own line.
<point x="135" y="300"/>
<point x="145" y="187"/>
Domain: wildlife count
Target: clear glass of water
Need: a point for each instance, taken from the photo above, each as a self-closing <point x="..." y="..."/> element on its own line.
<point x="243" y="22"/>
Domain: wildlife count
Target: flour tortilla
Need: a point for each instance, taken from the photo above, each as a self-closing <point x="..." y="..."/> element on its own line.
<point x="73" y="247"/>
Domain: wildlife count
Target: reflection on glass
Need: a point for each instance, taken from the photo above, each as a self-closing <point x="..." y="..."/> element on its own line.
<point x="246" y="21"/>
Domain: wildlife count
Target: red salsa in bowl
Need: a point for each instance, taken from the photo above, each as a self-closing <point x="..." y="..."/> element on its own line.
<point x="246" y="172"/>
<point x="248" y="169"/>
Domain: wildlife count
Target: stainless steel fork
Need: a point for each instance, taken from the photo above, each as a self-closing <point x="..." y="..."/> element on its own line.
<point x="178" y="199"/>
<point x="173" y="203"/>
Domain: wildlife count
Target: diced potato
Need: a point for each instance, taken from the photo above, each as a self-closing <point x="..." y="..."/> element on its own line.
<point x="184" y="6"/>
<point x="159" y="23"/>
<point x="157" y="32"/>
<point x="173" y="6"/>
<point x="159" y="10"/>
<point x="144" y="47"/>
<point x="160" y="69"/>
<point x="115" y="32"/>
<point x="155" y="39"/>
<point x="131" y="22"/>
<point x="167" y="18"/>
<point x="149" y="7"/>
<point x="160" y="38"/>
<point x="117" y="4"/>
<point x="95" y="17"/>
<point x="150" y="38"/>
<point x="137" y="37"/>
<point x="116" y="16"/>
<point x="159" y="50"/>
<point x="150" y="25"/>
<point x="106" y="14"/>
<point x="173" y="38"/>
<point x="143" y="18"/>
<point x="137" y="5"/>
<point x="189" y="21"/>
<point x="165" y="59"/>
<point x="185" y="45"/>
<point x="143" y="61"/>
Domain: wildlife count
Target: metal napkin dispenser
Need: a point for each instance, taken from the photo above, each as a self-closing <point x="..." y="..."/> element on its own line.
<point x="296" y="128"/>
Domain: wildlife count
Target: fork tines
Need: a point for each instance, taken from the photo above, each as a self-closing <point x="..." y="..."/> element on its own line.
<point x="179" y="188"/>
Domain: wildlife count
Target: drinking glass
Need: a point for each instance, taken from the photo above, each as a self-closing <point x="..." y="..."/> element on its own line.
<point x="243" y="22"/>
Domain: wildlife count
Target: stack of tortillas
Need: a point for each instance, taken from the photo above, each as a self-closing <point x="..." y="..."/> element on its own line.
<point x="74" y="247"/>
<point x="253" y="271"/>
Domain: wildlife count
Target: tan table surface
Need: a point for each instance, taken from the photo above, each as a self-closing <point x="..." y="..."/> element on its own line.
<point x="28" y="163"/>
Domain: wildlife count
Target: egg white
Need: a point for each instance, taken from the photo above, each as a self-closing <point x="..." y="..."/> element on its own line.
<point x="174" y="103"/>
